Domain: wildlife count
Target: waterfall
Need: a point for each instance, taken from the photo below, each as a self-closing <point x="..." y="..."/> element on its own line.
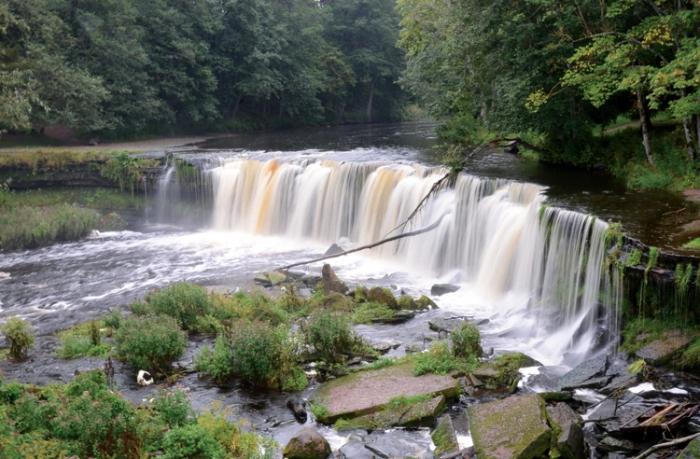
<point x="528" y="261"/>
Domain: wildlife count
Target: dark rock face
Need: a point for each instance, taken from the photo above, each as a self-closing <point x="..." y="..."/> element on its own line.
<point x="331" y="282"/>
<point x="334" y="249"/>
<point x="569" y="442"/>
<point x="307" y="444"/>
<point x="441" y="289"/>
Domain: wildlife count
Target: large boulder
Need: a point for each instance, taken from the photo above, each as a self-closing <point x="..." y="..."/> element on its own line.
<point x="307" y="444"/>
<point x="590" y="373"/>
<point x="662" y="350"/>
<point x="271" y="279"/>
<point x="331" y="283"/>
<point x="370" y="391"/>
<point x="400" y="412"/>
<point x="514" y="427"/>
<point x="568" y="429"/>
<point x="502" y="373"/>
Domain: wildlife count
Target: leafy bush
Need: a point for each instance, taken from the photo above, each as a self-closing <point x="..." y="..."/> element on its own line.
<point x="83" y="340"/>
<point x="466" y="341"/>
<point x="369" y="312"/>
<point x="19" y="336"/>
<point x="150" y="342"/>
<point x="256" y="352"/>
<point x="174" y="408"/>
<point x="191" y="442"/>
<point x="217" y="363"/>
<point x="249" y="306"/>
<point x="235" y="441"/>
<point x="187" y="303"/>
<point x="331" y="335"/>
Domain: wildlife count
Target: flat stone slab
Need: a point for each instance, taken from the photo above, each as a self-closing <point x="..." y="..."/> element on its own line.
<point x="661" y="350"/>
<point x="512" y="428"/>
<point x="366" y="392"/>
<point x="584" y="373"/>
<point x="422" y="413"/>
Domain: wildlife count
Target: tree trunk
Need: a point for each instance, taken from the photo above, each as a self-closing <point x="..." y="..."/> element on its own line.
<point x="688" y="139"/>
<point x="645" y="121"/>
<point x="697" y="132"/>
<point x="370" y="101"/>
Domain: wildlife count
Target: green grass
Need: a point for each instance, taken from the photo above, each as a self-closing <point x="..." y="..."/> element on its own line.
<point x="93" y="198"/>
<point x="692" y="245"/>
<point x="89" y="339"/>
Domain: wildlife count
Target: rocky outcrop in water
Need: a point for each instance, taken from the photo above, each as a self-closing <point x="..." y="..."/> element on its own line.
<point x="331" y="282"/>
<point x="307" y="444"/>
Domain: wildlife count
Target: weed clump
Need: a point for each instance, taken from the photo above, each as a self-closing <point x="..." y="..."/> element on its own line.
<point x="20" y="337"/>
<point x="150" y="342"/>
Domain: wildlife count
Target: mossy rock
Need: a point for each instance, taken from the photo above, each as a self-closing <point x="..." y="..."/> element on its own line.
<point x="360" y="294"/>
<point x="407" y="302"/>
<point x="334" y="301"/>
<point x="382" y="295"/>
<point x="271" y="279"/>
<point x="444" y="437"/>
<point x="418" y="411"/>
<point x="426" y="303"/>
<point x="514" y="427"/>
<point x="501" y="374"/>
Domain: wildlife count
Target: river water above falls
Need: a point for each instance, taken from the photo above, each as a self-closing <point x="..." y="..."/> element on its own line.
<point x="520" y="241"/>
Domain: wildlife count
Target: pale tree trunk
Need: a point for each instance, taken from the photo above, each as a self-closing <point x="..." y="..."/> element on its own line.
<point x="645" y="121"/>
<point x="370" y="101"/>
<point x="688" y="139"/>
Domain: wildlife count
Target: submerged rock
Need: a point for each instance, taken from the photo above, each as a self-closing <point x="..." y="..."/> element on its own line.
<point x="442" y="289"/>
<point x="515" y="427"/>
<point x="366" y="392"/>
<point x="444" y="437"/>
<point x="307" y="444"/>
<point x="568" y="425"/>
<point x="665" y="348"/>
<point x="331" y="282"/>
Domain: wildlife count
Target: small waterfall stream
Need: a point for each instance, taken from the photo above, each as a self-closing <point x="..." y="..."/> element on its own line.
<point x="540" y="270"/>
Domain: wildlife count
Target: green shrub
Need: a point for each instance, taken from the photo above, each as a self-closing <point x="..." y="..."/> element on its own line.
<point x="249" y="306"/>
<point x="217" y="363"/>
<point x="113" y="320"/>
<point x="331" y="336"/>
<point x="369" y="312"/>
<point x="187" y="303"/>
<point x="466" y="341"/>
<point x="83" y="340"/>
<point x="438" y="359"/>
<point x="19" y="336"/>
<point x="191" y="442"/>
<point x="235" y="441"/>
<point x="173" y="408"/>
<point x="150" y="342"/>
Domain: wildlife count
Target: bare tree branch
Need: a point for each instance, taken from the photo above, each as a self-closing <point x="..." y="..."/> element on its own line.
<point x="668" y="444"/>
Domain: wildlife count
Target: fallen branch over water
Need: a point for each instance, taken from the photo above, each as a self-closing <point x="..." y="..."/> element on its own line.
<point x="668" y="444"/>
<point x="369" y="246"/>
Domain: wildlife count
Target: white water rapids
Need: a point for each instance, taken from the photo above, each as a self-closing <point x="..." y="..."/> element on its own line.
<point x="534" y="271"/>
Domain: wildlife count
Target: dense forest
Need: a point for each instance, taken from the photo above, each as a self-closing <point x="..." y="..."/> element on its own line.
<point x="558" y="73"/>
<point x="116" y="68"/>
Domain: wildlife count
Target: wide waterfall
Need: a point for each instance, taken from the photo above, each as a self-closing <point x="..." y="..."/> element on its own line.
<point x="538" y="269"/>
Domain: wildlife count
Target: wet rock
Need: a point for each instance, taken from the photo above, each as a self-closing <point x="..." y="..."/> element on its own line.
<point x="442" y="289"/>
<point x="610" y="443"/>
<point x="568" y="424"/>
<point x="663" y="349"/>
<point x="557" y="396"/>
<point x="383" y="296"/>
<point x="307" y="444"/>
<point x="355" y="449"/>
<point x="585" y="374"/>
<point x="398" y="444"/>
<point x="514" y="427"/>
<point x="331" y="283"/>
<point x="385" y="347"/>
<point x="692" y="451"/>
<point x="501" y="373"/>
<point x="446" y="325"/>
<point x="444" y="437"/>
<point x="407" y="302"/>
<point x="612" y="413"/>
<point x="367" y="392"/>
<point x="397" y="318"/>
<point x="271" y="279"/>
<point x="334" y="249"/>
<point x="400" y="412"/>
<point x="298" y="410"/>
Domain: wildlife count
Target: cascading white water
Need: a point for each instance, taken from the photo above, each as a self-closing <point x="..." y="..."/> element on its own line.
<point x="529" y="262"/>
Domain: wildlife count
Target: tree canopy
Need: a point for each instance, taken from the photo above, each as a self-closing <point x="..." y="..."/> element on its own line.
<point x="125" y="67"/>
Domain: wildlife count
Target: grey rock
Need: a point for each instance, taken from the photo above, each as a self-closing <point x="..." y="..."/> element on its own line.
<point x="446" y="325"/>
<point x="585" y="371"/>
<point x="441" y="289"/>
<point x="570" y="440"/>
<point x="331" y="283"/>
<point x="307" y="444"/>
<point x="334" y="249"/>
<point x="444" y="437"/>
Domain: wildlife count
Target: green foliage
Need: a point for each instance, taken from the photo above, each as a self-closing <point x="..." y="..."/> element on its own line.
<point x="31" y="227"/>
<point x="84" y="340"/>
<point x="217" y="363"/>
<point x="438" y="359"/>
<point x="690" y="358"/>
<point x="124" y="170"/>
<point x="369" y="312"/>
<point x="634" y="258"/>
<point x="173" y="408"/>
<point x="20" y="337"/>
<point x="191" y="442"/>
<point x="150" y="343"/>
<point x="319" y="411"/>
<point x="187" y="303"/>
<point x="466" y="341"/>
<point x="331" y="336"/>
<point x="637" y="367"/>
<point x="692" y="245"/>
